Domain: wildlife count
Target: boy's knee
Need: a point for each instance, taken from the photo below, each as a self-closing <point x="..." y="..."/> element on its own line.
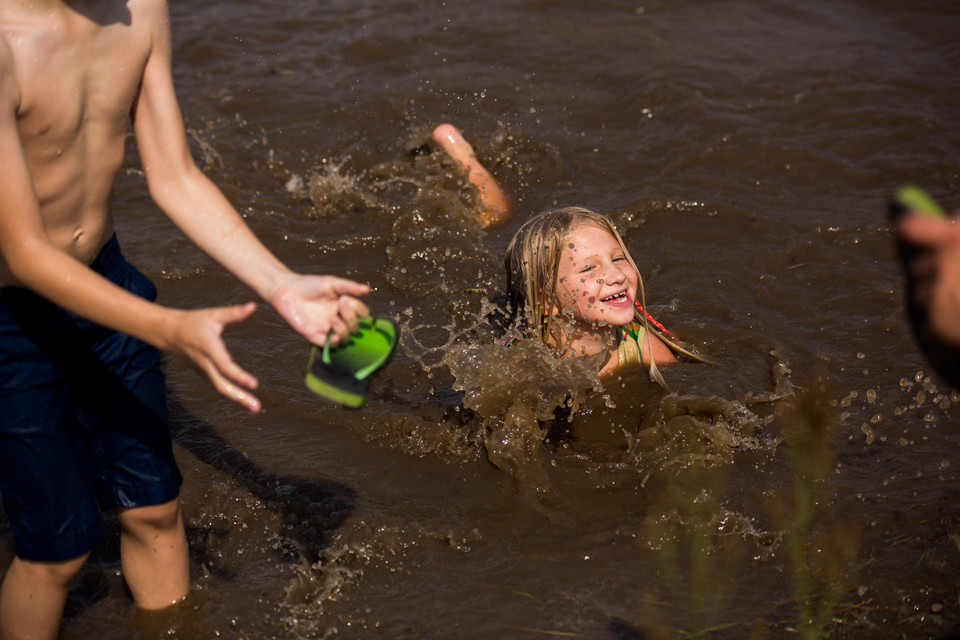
<point x="60" y="573"/>
<point x="161" y="517"/>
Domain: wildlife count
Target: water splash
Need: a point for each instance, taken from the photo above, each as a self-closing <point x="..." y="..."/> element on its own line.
<point x="516" y="392"/>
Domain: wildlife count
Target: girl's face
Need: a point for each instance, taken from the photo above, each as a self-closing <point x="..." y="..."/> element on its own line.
<point x="595" y="280"/>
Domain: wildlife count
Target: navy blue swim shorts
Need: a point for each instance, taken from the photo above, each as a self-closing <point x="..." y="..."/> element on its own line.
<point x="83" y="419"/>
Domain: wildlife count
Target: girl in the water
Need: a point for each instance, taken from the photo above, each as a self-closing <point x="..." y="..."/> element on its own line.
<point x="571" y="283"/>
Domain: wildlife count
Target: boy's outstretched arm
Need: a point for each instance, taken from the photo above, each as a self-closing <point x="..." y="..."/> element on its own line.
<point x="314" y="305"/>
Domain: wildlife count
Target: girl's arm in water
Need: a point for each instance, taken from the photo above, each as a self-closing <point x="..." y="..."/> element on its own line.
<point x="494" y="207"/>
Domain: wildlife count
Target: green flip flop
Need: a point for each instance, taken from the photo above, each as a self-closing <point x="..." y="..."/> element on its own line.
<point x="342" y="373"/>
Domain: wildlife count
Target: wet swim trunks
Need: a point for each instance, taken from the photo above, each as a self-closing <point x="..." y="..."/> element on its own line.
<point x="83" y="419"/>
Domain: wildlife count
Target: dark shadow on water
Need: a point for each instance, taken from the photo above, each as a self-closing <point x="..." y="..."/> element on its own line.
<point x="624" y="630"/>
<point x="311" y="508"/>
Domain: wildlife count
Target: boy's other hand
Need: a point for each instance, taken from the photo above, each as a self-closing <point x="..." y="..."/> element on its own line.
<point x="198" y="335"/>
<point x="315" y="305"/>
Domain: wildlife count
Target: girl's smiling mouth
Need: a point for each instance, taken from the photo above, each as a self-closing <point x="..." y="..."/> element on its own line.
<point x="619" y="298"/>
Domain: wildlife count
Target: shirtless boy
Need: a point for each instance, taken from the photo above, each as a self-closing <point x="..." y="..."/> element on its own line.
<point x="75" y="317"/>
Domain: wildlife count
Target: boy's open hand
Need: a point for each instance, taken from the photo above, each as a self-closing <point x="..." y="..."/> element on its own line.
<point x="316" y="305"/>
<point x="198" y="336"/>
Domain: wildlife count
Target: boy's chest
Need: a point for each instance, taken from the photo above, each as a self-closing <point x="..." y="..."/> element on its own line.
<point x="74" y="80"/>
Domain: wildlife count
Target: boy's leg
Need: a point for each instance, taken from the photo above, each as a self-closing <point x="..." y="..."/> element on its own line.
<point x="153" y="553"/>
<point x="33" y="595"/>
<point x="123" y="396"/>
<point x="44" y="479"/>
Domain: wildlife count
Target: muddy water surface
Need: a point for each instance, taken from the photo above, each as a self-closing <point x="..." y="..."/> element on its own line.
<point x="806" y="482"/>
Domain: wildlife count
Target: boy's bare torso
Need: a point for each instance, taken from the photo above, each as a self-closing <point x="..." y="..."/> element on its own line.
<point x="77" y="68"/>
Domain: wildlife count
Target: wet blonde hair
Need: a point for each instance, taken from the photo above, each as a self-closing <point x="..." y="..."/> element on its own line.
<point x="532" y="262"/>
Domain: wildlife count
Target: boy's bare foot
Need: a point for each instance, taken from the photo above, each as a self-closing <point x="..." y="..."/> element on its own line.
<point x="494" y="207"/>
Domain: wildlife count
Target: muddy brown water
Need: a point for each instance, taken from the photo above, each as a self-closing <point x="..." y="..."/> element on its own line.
<point x="805" y="484"/>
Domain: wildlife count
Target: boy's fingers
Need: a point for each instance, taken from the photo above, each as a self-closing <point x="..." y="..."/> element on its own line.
<point x="336" y="286"/>
<point x="926" y="231"/>
<point x="351" y="310"/>
<point x="232" y="381"/>
<point x="339" y="330"/>
<point x="345" y="322"/>
<point x="213" y="358"/>
<point x="238" y="313"/>
<point x="232" y="371"/>
<point x="226" y="368"/>
<point x="352" y="287"/>
<point x="249" y="401"/>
